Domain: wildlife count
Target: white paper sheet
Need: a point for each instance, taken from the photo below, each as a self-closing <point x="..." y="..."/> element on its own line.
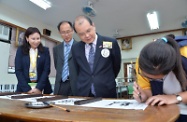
<point x="118" y="104"/>
<point x="33" y="99"/>
<point x="9" y="96"/>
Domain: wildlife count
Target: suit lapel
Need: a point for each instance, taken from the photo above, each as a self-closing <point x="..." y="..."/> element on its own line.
<point x="70" y="54"/>
<point x="83" y="56"/>
<point x="61" y="50"/>
<point x="27" y="61"/>
<point x="98" y="51"/>
<point x="39" y="58"/>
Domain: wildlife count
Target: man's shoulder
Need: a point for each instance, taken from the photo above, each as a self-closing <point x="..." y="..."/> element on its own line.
<point x="45" y="49"/>
<point x="106" y="38"/>
<point x="77" y="43"/>
<point x="58" y="45"/>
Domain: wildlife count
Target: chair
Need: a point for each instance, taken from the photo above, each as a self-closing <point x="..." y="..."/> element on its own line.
<point x="130" y="90"/>
<point x="182" y="42"/>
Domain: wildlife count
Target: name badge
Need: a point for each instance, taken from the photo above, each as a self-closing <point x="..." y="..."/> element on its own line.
<point x="107" y="45"/>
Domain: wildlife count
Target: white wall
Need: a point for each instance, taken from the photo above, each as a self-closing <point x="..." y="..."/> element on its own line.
<point x="20" y="19"/>
<point x="137" y="45"/>
<point x="5" y="78"/>
<point x="25" y="21"/>
<point x="17" y="18"/>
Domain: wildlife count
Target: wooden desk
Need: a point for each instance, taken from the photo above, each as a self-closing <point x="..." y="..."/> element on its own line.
<point x="14" y="110"/>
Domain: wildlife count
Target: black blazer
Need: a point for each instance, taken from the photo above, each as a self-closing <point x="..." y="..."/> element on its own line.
<point x="105" y="69"/>
<point x="22" y="65"/>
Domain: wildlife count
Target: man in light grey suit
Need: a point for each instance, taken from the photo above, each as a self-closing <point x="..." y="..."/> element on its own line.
<point x="65" y="83"/>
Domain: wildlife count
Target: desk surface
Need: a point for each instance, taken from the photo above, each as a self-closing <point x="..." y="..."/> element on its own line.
<point x="15" y="109"/>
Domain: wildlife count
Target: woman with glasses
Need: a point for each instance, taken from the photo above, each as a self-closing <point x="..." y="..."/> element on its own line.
<point x="160" y="75"/>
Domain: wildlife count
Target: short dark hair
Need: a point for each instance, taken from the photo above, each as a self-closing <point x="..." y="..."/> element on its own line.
<point x="82" y="16"/>
<point x="60" y="23"/>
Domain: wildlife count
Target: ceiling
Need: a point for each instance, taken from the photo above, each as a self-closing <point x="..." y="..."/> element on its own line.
<point x="128" y="16"/>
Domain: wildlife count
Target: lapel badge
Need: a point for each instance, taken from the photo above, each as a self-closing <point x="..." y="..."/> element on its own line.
<point x="105" y="53"/>
<point x="107" y="45"/>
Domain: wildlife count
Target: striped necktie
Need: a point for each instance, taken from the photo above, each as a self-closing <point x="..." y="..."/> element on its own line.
<point x="91" y="63"/>
<point x="91" y="56"/>
<point x="65" y="70"/>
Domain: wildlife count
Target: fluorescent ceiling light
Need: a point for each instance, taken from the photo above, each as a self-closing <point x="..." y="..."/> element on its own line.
<point x="153" y="20"/>
<point x="42" y="3"/>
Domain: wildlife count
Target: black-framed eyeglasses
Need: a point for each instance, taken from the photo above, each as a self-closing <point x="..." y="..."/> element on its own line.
<point x="151" y="79"/>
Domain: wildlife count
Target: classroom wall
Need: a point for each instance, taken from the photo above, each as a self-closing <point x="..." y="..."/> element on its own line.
<point x="20" y="19"/>
<point x="137" y="45"/>
<point x="23" y="20"/>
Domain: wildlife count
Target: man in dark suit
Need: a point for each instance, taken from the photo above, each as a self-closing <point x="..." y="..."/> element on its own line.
<point x="65" y="86"/>
<point x="97" y="60"/>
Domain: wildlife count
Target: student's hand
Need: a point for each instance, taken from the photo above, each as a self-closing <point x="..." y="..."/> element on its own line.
<point x="30" y="92"/>
<point x="138" y="93"/>
<point x="37" y="91"/>
<point x="34" y="91"/>
<point x="162" y="100"/>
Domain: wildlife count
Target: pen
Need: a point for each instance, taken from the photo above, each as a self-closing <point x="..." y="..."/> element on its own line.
<point x="134" y="73"/>
<point x="139" y="95"/>
<point x="65" y="109"/>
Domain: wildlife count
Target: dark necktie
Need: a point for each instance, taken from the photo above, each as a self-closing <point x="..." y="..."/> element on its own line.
<point x="91" y="63"/>
<point x="65" y="70"/>
<point x="91" y="56"/>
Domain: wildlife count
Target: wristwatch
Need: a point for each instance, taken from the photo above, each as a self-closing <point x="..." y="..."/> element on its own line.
<point x="179" y="98"/>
